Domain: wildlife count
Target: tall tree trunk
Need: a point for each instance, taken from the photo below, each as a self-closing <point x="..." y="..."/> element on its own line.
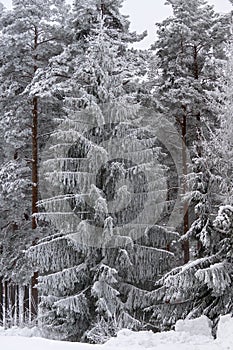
<point x="1" y="301"/>
<point x="185" y="172"/>
<point x="198" y="128"/>
<point x="16" y="316"/>
<point x="5" y="304"/>
<point x="195" y="63"/>
<point x="34" y="296"/>
<point x="21" y="305"/>
<point x="12" y="303"/>
<point x="34" y="161"/>
<point x="34" y="299"/>
<point x="198" y="114"/>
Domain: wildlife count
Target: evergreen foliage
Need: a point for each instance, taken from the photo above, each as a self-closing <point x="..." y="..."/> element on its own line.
<point x="94" y="74"/>
<point x="87" y="189"/>
<point x="31" y="34"/>
<point x="204" y="285"/>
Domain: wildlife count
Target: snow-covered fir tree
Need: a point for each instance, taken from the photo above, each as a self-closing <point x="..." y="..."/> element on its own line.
<point x="102" y="165"/>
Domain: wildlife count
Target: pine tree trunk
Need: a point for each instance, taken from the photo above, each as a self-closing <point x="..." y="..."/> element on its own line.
<point x="1" y="301"/>
<point x="12" y="303"/>
<point x="184" y="161"/>
<point x="16" y="315"/>
<point x="195" y="63"/>
<point x="26" y="304"/>
<point x="5" y="305"/>
<point x="34" y="298"/>
<point x="198" y="115"/>
<point x="198" y="127"/>
<point x="21" y="305"/>
<point x="185" y="172"/>
<point x="34" y="161"/>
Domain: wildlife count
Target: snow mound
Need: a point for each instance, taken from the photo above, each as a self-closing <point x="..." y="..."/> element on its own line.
<point x="23" y="343"/>
<point x="20" y="332"/>
<point x="225" y="331"/>
<point x="198" y="326"/>
<point x="188" y="334"/>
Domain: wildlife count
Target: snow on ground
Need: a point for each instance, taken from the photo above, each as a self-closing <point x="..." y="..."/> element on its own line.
<point x="188" y="335"/>
<point x="22" y="332"/>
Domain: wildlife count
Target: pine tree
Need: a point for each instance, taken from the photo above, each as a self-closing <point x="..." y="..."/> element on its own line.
<point x="204" y="285"/>
<point x="107" y="251"/>
<point x="31" y="34"/>
<point x="1" y="9"/>
<point x="190" y="51"/>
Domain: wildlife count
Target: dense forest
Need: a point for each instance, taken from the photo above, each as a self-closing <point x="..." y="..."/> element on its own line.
<point x="116" y="176"/>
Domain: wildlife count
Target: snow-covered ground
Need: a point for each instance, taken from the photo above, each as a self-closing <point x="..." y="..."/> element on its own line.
<point x="188" y="335"/>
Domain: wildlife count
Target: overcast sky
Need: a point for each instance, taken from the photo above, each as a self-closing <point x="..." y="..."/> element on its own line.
<point x="145" y="13"/>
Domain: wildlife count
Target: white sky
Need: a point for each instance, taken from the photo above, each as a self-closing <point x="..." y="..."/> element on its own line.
<point x="145" y="13"/>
